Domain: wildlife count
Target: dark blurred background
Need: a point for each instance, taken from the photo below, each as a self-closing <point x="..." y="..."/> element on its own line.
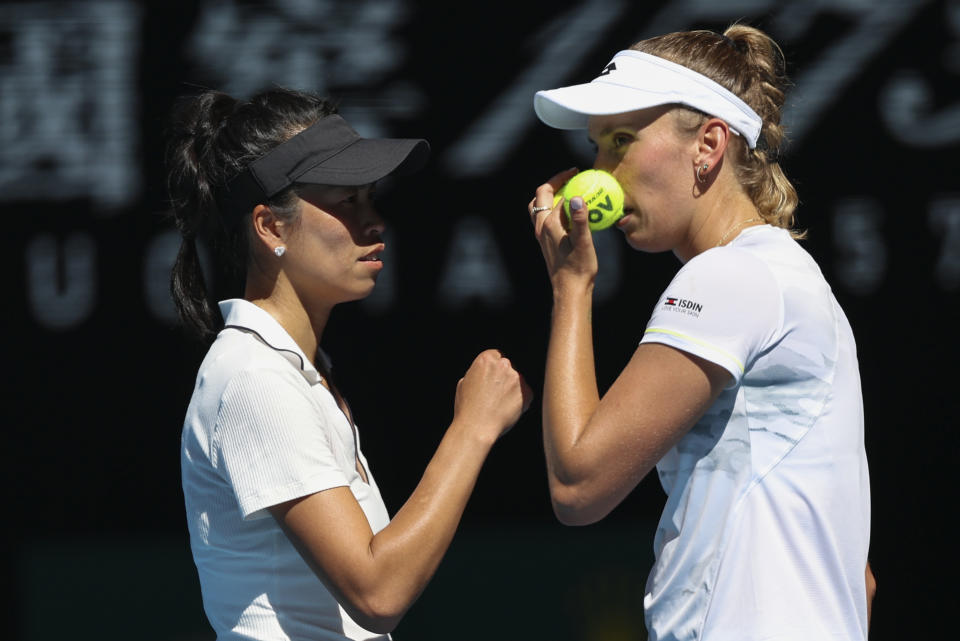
<point x="98" y="376"/>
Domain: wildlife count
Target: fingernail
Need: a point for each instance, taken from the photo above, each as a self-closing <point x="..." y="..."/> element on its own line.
<point x="576" y="203"/>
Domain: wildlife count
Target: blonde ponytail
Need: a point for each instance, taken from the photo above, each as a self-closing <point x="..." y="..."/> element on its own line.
<point x="750" y="64"/>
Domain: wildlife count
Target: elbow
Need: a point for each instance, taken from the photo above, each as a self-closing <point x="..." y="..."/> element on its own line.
<point x="571" y="516"/>
<point x="573" y="506"/>
<point x="375" y="617"/>
<point x="379" y="625"/>
<point x="376" y="613"/>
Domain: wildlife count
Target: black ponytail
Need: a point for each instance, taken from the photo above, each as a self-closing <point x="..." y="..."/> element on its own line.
<point x="213" y="137"/>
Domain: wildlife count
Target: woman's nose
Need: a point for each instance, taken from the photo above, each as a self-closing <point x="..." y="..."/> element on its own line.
<point x="373" y="222"/>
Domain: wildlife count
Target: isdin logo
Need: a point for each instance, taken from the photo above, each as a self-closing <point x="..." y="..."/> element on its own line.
<point x="684" y="305"/>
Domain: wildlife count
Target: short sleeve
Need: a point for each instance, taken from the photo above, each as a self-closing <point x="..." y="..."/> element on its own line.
<point x="274" y="439"/>
<point x="724" y="306"/>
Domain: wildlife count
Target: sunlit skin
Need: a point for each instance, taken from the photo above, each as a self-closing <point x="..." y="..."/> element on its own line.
<point x="662" y="391"/>
<point x="640" y="149"/>
<point x="333" y="255"/>
<point x="339" y="240"/>
<point x="666" y="206"/>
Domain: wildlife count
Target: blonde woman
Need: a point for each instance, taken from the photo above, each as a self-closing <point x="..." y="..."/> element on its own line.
<point x="744" y="391"/>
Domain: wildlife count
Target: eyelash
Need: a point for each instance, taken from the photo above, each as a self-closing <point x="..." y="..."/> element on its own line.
<point x="355" y="195"/>
<point x="618" y="140"/>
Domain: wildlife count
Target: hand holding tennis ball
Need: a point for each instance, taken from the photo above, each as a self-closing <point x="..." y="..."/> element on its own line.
<point x="602" y="196"/>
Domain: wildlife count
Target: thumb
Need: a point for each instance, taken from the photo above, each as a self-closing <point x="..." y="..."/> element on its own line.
<point x="579" y="225"/>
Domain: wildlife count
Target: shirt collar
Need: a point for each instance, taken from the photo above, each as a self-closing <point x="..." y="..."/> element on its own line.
<point x="243" y="313"/>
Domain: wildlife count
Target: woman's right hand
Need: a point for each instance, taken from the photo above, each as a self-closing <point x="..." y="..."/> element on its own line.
<point x="567" y="246"/>
<point x="491" y="396"/>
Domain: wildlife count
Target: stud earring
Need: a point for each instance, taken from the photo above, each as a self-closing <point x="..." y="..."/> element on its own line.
<point x="279" y="250"/>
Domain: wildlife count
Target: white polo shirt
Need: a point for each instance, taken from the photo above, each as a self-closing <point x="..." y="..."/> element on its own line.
<point x="765" y="531"/>
<point x="262" y="429"/>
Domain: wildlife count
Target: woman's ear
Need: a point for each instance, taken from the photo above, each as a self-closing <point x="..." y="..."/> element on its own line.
<point x="712" y="142"/>
<point x="268" y="230"/>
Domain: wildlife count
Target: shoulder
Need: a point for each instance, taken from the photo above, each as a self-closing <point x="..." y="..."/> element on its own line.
<point x="725" y="305"/>
<point x="726" y="277"/>
<point x="778" y="251"/>
<point x="237" y="361"/>
<point x="758" y="267"/>
<point x="253" y="389"/>
<point x="797" y="275"/>
<point x="734" y="260"/>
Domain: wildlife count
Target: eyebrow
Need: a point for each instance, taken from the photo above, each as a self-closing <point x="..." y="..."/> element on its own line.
<point x="609" y="129"/>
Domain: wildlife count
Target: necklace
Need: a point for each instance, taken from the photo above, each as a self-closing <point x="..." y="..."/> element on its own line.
<point x="755" y="219"/>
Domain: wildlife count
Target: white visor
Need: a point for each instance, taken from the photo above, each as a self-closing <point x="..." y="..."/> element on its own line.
<point x="635" y="80"/>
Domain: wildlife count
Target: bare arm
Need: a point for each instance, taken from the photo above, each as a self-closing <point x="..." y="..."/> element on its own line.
<point x="594" y="460"/>
<point x="597" y="449"/>
<point x="376" y="577"/>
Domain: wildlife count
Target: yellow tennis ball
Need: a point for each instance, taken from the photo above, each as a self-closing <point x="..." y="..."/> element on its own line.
<point x="601" y="193"/>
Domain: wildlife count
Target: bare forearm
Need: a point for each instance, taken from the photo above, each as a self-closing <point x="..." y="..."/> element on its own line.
<point x="570" y="393"/>
<point x="405" y="554"/>
<point x="376" y="577"/>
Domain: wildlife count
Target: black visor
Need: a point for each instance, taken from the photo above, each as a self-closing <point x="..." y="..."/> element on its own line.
<point x="328" y="152"/>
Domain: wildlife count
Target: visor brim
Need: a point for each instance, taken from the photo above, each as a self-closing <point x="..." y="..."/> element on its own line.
<point x="571" y="107"/>
<point x="369" y="160"/>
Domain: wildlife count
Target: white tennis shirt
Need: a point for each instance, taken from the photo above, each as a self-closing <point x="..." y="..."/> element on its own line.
<point x="260" y="430"/>
<point x="766" y="527"/>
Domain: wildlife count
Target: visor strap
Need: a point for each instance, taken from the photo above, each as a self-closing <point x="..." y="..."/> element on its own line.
<point x="721" y="103"/>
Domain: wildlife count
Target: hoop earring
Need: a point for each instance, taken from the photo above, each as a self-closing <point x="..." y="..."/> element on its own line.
<point x="702" y="168"/>
<point x="279" y="250"/>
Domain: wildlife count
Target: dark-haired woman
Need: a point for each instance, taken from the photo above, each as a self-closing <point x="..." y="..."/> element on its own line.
<point x="289" y="533"/>
<point x="744" y="391"/>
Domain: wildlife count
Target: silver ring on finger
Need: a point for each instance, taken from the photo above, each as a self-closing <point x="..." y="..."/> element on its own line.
<point x="537" y="210"/>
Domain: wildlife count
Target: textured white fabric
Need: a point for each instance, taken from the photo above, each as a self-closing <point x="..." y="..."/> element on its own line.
<point x="766" y="527"/>
<point x="635" y="80"/>
<point x="261" y="429"/>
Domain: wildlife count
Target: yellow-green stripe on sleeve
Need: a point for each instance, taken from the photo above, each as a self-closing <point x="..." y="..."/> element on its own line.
<point x="691" y="339"/>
